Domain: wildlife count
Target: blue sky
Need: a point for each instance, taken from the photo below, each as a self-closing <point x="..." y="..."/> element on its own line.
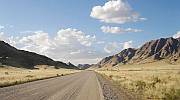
<point x="25" y="19"/>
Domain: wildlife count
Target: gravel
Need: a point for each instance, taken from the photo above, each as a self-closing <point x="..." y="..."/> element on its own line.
<point x="111" y="91"/>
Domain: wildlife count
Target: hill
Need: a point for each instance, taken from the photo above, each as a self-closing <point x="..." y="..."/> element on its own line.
<point x="11" y="56"/>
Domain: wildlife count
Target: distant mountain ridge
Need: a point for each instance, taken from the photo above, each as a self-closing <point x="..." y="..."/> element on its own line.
<point x="72" y="65"/>
<point x="154" y="50"/>
<point x="84" y="66"/>
<point x="11" y="56"/>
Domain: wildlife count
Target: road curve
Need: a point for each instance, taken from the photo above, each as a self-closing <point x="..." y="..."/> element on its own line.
<point x="78" y="86"/>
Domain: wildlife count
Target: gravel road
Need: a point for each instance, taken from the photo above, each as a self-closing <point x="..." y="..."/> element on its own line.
<point x="78" y="86"/>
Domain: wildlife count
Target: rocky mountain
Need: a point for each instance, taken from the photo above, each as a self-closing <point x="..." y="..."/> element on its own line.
<point x="11" y="56"/>
<point x="84" y="66"/>
<point x="164" y="48"/>
<point x="72" y="65"/>
<point x="155" y="50"/>
<point x="123" y="57"/>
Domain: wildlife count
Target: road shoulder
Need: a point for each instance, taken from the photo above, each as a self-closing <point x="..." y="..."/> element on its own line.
<point x="111" y="91"/>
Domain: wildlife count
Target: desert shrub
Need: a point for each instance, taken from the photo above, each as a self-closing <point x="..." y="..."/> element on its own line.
<point x="6" y="73"/>
<point x="156" y="79"/>
<point x="140" y="85"/>
<point x="172" y="94"/>
<point x="110" y="76"/>
<point x="16" y="82"/>
<point x="153" y="82"/>
<point x="57" y="67"/>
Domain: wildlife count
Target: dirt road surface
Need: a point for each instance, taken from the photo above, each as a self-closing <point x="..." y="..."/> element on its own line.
<point x="78" y="86"/>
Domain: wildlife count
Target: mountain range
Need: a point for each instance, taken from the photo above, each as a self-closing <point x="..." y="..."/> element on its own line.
<point x="11" y="56"/>
<point x="84" y="66"/>
<point x="167" y="49"/>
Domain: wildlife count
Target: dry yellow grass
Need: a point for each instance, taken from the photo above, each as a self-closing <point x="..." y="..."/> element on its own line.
<point x="151" y="81"/>
<point x="10" y="76"/>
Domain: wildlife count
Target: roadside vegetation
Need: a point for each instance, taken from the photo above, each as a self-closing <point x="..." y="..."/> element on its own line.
<point x="12" y="76"/>
<point x="155" y="81"/>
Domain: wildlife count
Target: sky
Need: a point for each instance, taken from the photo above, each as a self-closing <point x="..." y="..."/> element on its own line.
<point x="85" y="31"/>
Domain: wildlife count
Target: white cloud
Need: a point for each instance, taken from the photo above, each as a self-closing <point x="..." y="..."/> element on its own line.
<point x="69" y="36"/>
<point x="9" y="39"/>
<point x="127" y="44"/>
<point x="115" y="47"/>
<point x="1" y="27"/>
<point x="177" y="35"/>
<point x="38" y="42"/>
<point x="75" y="52"/>
<point x="115" y="11"/>
<point x="100" y="42"/>
<point x="72" y="44"/>
<point x="118" y="30"/>
<point x="112" y="47"/>
<point x="87" y="61"/>
<point x="26" y="32"/>
<point x="1" y="35"/>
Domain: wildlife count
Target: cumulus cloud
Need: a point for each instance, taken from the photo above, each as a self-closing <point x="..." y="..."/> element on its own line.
<point x="76" y="46"/>
<point x="69" y="36"/>
<point x="1" y="27"/>
<point x="87" y="60"/>
<point x="9" y="39"/>
<point x="75" y="52"/>
<point x="177" y="35"/>
<point x="100" y="42"/>
<point x="127" y="44"/>
<point x="1" y="35"/>
<point x="118" y="30"/>
<point x="112" y="47"/>
<point x="115" y="11"/>
<point x="115" y="47"/>
<point x="38" y="42"/>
